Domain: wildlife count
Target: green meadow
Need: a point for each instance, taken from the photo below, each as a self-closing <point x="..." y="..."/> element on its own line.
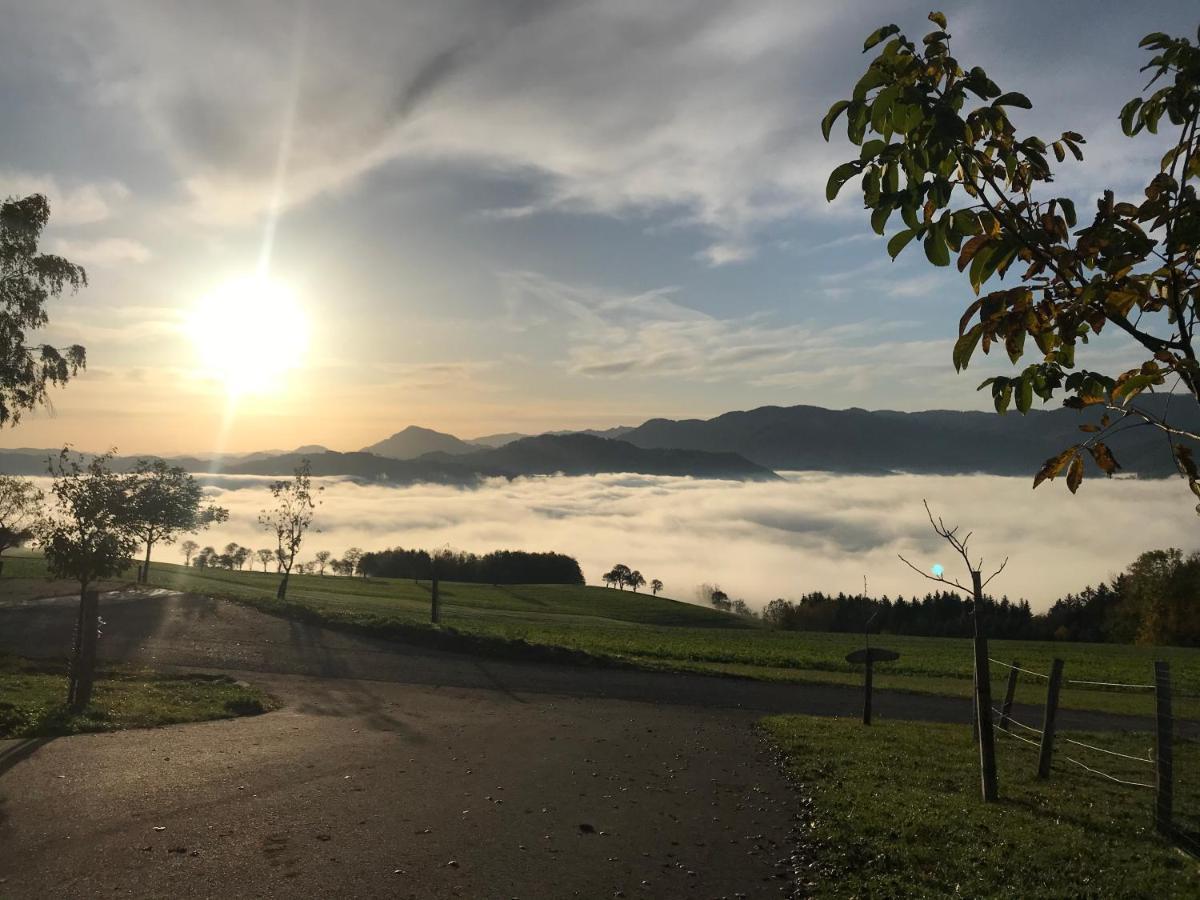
<point x="661" y="633"/>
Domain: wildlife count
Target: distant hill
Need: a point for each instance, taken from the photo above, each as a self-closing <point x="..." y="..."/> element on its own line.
<point x="499" y="440"/>
<point x="936" y="441"/>
<point x="415" y="441"/>
<point x="583" y="454"/>
<point x="572" y="454"/>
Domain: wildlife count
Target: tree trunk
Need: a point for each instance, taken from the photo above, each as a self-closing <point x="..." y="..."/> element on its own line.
<point x="83" y="658"/>
<point x="434" y="600"/>
<point x="144" y="575"/>
<point x="281" y="593"/>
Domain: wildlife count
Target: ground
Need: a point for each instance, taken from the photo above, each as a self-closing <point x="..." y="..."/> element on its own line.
<point x="395" y="770"/>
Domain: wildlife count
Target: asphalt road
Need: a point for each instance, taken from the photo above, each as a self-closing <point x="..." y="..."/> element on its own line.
<point x="400" y="772"/>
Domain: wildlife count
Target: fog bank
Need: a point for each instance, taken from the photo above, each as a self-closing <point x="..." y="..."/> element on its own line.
<point x="814" y="531"/>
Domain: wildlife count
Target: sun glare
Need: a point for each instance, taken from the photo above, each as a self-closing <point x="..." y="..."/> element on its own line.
<point x="249" y="334"/>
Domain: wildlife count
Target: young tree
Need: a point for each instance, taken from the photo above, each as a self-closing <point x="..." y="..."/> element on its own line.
<point x="937" y="146"/>
<point x="635" y="580"/>
<point x="322" y="558"/>
<point x="291" y="517"/>
<point x="165" y="502"/>
<point x="188" y="547"/>
<point x="86" y="535"/>
<point x="27" y="280"/>
<point x="656" y="586"/>
<point x="350" y="560"/>
<point x="20" y="503"/>
<point x="265" y="556"/>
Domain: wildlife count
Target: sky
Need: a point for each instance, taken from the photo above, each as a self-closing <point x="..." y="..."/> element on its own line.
<point x="756" y="540"/>
<point x="497" y="216"/>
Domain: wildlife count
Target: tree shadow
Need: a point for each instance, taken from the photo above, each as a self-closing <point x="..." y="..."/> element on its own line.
<point x="357" y="700"/>
<point x="20" y="750"/>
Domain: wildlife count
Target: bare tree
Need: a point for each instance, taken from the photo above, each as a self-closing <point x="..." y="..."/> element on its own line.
<point x="189" y="547"/>
<point x="983" y="683"/>
<point x="291" y="517"/>
<point x="656" y="586"/>
<point x="265" y="556"/>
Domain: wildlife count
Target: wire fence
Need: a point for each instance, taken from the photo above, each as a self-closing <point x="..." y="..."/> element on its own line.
<point x="1160" y="758"/>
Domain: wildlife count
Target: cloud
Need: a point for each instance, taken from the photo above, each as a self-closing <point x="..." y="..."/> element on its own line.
<point x="651" y="334"/>
<point x="815" y="531"/>
<point x="103" y="252"/>
<point x="78" y="204"/>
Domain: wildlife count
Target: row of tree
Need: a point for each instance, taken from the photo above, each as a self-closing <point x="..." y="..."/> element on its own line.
<point x="621" y="575"/>
<point x="236" y="557"/>
<point x="497" y="567"/>
<point x="1153" y="602"/>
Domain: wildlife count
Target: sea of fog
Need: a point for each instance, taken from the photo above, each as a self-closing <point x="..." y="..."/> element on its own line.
<point x="812" y="531"/>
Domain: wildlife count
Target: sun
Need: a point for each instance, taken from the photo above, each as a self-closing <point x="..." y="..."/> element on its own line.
<point x="249" y="333"/>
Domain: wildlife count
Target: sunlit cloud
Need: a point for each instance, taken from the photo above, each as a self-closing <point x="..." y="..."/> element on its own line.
<point x="814" y="531"/>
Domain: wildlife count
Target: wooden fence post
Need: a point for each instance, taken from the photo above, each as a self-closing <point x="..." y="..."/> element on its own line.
<point x="1047" y="749"/>
<point x="983" y="702"/>
<point x="867" y="692"/>
<point x="1164" y="734"/>
<point x="435" y="613"/>
<point x="1010" y="693"/>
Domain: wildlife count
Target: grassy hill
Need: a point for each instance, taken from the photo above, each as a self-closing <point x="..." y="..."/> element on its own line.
<point x="657" y="632"/>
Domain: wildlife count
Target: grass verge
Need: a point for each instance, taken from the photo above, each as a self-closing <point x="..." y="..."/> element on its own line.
<point x="894" y="811"/>
<point x="32" y="694"/>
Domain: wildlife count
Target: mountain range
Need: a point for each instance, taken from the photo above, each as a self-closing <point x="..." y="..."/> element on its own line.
<point x="743" y="445"/>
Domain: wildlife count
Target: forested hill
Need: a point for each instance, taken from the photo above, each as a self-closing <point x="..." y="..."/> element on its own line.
<point x="936" y="441"/>
<point x="570" y="454"/>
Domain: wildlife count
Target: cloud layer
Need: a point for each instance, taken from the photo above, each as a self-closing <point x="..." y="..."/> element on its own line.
<point x="758" y="541"/>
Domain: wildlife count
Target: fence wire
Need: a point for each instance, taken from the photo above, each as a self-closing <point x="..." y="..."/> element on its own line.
<point x="1140" y="759"/>
<point x="1018" y="668"/>
<point x="1106" y="775"/>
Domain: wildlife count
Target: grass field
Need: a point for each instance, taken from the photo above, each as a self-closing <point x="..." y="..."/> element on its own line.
<point x="32" y="694"/>
<point x="662" y="633"/>
<point x="871" y="834"/>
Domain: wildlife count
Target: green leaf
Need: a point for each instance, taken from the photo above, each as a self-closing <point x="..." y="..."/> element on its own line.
<point x="882" y="106"/>
<point x="880" y="34"/>
<point x="899" y="241"/>
<point x="936" y="250"/>
<point x="1015" y="345"/>
<point x="840" y="176"/>
<point x="1068" y="208"/>
<point x="1012" y="98"/>
<point x="879" y="218"/>
<point x="1025" y="394"/>
<point x="830" y="117"/>
<point x="1003" y="397"/>
<point x="965" y="346"/>
<point x="1128" y="111"/>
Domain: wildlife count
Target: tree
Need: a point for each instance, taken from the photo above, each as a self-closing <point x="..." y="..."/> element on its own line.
<point x="635" y="580"/>
<point x="620" y="574"/>
<point x="241" y="556"/>
<point x="165" y="502"/>
<point x="20" y="503"/>
<point x="963" y="181"/>
<point x="189" y="547"/>
<point x="264" y="557"/>
<point x="720" y="600"/>
<point x="27" y="280"/>
<point x="206" y="558"/>
<point x="291" y="517"/>
<point x="322" y="557"/>
<point x="656" y="586"/>
<point x="350" y="560"/>
<point x="86" y="535"/>
<point x="740" y="607"/>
